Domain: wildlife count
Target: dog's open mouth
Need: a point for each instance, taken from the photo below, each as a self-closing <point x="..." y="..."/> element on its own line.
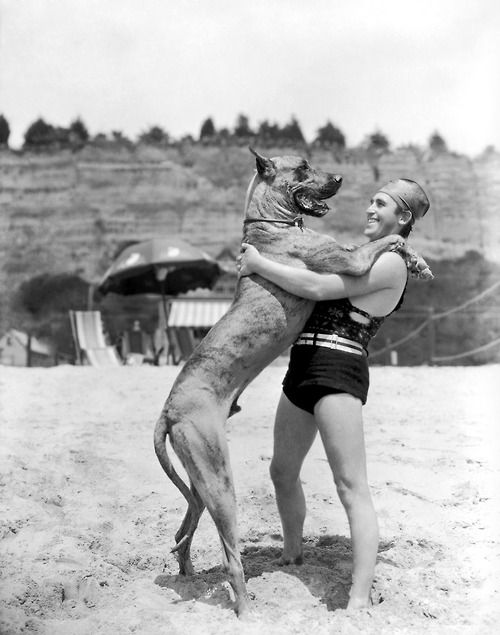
<point x="311" y="205"/>
<point x="312" y="201"/>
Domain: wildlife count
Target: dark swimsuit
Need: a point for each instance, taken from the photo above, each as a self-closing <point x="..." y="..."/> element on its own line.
<point x="316" y="371"/>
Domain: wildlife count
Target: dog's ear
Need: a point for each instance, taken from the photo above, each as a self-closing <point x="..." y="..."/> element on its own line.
<point x="265" y="166"/>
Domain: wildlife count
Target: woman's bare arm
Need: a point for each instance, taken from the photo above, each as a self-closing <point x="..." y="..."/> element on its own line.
<point x="389" y="271"/>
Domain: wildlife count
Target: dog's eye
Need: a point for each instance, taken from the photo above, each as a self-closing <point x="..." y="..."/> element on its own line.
<point x="302" y="171"/>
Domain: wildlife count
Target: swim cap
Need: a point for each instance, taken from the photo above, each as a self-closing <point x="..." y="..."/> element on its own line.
<point x="408" y="195"/>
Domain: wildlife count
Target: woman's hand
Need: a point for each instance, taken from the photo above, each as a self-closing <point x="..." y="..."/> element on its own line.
<point x="247" y="260"/>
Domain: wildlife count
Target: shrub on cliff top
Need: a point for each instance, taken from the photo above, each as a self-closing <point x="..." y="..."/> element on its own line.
<point x="4" y="131"/>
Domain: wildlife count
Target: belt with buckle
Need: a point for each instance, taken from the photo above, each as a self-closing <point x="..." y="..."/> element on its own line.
<point x="331" y="340"/>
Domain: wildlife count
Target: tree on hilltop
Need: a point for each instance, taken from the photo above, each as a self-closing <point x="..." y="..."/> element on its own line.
<point x="329" y="136"/>
<point x="154" y="136"/>
<point x="437" y="143"/>
<point x="268" y="134"/>
<point x="242" y="128"/>
<point x="207" y="131"/>
<point x="100" y="138"/>
<point x="292" y="134"/>
<point x="78" y="132"/>
<point x="378" y="142"/>
<point x="62" y="137"/>
<point x="4" y="131"/>
<point x="224" y="136"/>
<point x="121" y="140"/>
<point x="118" y="136"/>
<point x="271" y="134"/>
<point x="39" y="134"/>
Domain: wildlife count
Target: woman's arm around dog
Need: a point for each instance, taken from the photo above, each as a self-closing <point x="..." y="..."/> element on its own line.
<point x="388" y="272"/>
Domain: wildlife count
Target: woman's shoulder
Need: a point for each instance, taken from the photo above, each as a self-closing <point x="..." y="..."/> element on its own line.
<point x="391" y="265"/>
<point x="392" y="259"/>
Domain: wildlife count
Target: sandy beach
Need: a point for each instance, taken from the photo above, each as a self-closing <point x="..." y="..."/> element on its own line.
<point x="88" y="517"/>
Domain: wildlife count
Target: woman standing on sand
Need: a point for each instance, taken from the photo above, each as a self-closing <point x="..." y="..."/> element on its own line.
<point x="327" y="379"/>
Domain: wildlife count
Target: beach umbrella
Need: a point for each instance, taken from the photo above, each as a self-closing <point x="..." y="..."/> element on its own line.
<point x="162" y="266"/>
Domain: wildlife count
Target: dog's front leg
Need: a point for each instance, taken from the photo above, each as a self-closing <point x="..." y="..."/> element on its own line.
<point x="365" y="256"/>
<point x="330" y="257"/>
<point x="360" y="260"/>
<point x="416" y="264"/>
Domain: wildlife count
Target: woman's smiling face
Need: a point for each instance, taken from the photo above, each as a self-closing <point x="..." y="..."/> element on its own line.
<point x="383" y="217"/>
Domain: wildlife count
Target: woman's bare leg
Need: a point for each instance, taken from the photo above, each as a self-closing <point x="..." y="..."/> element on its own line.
<point x="294" y="433"/>
<point x="340" y="425"/>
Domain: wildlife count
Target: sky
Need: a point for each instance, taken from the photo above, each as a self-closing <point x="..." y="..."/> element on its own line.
<point x="403" y="67"/>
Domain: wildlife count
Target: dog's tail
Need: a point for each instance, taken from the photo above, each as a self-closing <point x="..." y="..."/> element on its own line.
<point x="160" y="443"/>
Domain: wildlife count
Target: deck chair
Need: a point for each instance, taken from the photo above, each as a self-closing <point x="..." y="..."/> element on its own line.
<point x="137" y="347"/>
<point x="181" y="343"/>
<point x="90" y="343"/>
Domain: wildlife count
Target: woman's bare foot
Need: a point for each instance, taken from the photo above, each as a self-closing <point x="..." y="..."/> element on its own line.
<point x="356" y="603"/>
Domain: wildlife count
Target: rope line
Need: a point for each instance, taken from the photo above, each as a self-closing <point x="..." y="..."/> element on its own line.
<point x="476" y="298"/>
<point x="404" y="339"/>
<point x="438" y="316"/>
<point x="445" y="358"/>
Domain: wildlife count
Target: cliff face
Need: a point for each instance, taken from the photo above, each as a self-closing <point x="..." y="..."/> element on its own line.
<point x="70" y="212"/>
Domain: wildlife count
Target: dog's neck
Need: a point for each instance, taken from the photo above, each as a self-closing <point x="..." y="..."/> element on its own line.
<point x="261" y="215"/>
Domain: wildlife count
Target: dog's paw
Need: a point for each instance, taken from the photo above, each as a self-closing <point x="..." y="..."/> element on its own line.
<point x="418" y="268"/>
<point x="426" y="274"/>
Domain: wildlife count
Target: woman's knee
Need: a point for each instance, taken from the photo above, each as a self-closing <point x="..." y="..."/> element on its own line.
<point x="351" y="489"/>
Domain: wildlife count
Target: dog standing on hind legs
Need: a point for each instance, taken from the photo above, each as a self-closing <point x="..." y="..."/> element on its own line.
<point x="261" y="323"/>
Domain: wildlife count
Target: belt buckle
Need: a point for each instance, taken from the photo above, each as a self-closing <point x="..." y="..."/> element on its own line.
<point x="334" y="340"/>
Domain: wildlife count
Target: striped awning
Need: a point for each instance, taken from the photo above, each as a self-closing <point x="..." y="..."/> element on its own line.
<point x="200" y="313"/>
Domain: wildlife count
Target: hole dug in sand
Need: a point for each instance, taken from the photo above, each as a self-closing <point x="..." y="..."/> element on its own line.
<point x="323" y="580"/>
<point x="210" y="587"/>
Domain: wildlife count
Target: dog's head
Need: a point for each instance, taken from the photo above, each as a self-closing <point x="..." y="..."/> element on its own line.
<point x="302" y="186"/>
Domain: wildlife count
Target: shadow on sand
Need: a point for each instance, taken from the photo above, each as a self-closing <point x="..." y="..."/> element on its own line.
<point x="324" y="578"/>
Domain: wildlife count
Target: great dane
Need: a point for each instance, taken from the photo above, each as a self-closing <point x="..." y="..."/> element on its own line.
<point x="261" y="323"/>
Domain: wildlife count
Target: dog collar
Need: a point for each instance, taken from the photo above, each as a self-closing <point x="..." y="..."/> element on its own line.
<point x="298" y="221"/>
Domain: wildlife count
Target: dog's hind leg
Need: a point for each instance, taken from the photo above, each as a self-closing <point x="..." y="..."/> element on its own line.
<point x="202" y="449"/>
<point x="232" y="564"/>
<point x="223" y="512"/>
<point x="185" y="533"/>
